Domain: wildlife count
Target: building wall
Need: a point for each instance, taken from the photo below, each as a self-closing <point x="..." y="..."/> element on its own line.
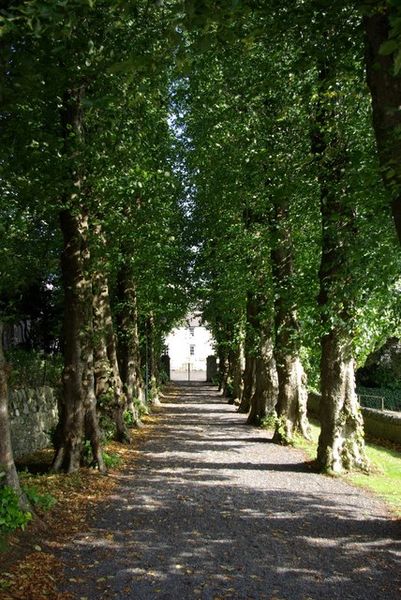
<point x="180" y="341"/>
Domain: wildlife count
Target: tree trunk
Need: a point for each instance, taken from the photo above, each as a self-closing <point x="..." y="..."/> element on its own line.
<point x="153" y="361"/>
<point x="259" y="340"/>
<point x="108" y="385"/>
<point x="78" y="406"/>
<point x="341" y="443"/>
<point x="234" y="378"/>
<point x="78" y="416"/>
<point x="223" y="369"/>
<point x="264" y="398"/>
<point x="91" y="423"/>
<point x="292" y="391"/>
<point x="128" y="344"/>
<point x="7" y="466"/>
<point x="292" y="399"/>
<point x="249" y="384"/>
<point x="385" y="88"/>
<point x="250" y="355"/>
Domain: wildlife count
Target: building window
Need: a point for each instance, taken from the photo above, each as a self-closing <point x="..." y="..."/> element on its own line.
<point x="192" y="350"/>
<point x="192" y="330"/>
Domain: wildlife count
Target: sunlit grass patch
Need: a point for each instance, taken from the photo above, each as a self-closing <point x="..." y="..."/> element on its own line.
<point x="384" y="478"/>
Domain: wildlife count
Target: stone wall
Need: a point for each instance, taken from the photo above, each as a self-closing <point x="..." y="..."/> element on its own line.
<point x="33" y="415"/>
<point x="378" y="423"/>
<point x="385" y="425"/>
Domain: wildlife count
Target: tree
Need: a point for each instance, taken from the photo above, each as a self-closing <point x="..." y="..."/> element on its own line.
<point x="8" y="472"/>
<point x="382" y="29"/>
<point x="110" y="395"/>
<point x="341" y="444"/>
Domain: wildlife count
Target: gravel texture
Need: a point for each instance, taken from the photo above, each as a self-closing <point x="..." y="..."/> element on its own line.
<point x="212" y="509"/>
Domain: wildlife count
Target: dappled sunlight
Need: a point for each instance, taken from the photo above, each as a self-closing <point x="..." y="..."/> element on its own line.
<point x="213" y="507"/>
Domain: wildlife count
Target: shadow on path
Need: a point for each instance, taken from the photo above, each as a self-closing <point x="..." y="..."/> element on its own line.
<point x="211" y="510"/>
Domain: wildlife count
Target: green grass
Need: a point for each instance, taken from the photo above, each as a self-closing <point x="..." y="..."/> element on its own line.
<point x="384" y="478"/>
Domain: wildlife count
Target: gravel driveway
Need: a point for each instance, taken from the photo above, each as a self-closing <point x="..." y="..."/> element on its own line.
<point x="213" y="510"/>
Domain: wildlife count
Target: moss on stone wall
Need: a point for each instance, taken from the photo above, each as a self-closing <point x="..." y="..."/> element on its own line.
<point x="381" y="424"/>
<point x="33" y="416"/>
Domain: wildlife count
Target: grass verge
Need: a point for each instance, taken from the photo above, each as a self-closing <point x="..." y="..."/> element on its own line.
<point x="384" y="478"/>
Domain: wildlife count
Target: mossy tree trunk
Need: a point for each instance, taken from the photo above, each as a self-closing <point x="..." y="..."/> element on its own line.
<point x="292" y="390"/>
<point x="223" y="368"/>
<point x="128" y="351"/>
<point x="341" y="441"/>
<point x="385" y="87"/>
<point x="78" y="416"/>
<point x="234" y="378"/>
<point x="153" y="356"/>
<point x="250" y="356"/>
<point x="9" y="475"/>
<point x="249" y="384"/>
<point x="264" y="398"/>
<point x="108" y="385"/>
<point x="264" y="394"/>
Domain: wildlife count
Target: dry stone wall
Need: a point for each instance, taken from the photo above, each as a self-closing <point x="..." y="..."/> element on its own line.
<point x="33" y="416"/>
<point x="378" y="423"/>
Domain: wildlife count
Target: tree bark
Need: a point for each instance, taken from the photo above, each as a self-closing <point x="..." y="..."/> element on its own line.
<point x="223" y="369"/>
<point x="292" y="391"/>
<point x="249" y="384"/>
<point x="385" y="89"/>
<point x="128" y="344"/>
<point x="264" y="399"/>
<point x="235" y="374"/>
<point x="108" y="385"/>
<point x="78" y="406"/>
<point x="78" y="418"/>
<point x="250" y="356"/>
<point x="259" y="337"/>
<point x="341" y="441"/>
<point x="7" y="465"/>
<point x="153" y="361"/>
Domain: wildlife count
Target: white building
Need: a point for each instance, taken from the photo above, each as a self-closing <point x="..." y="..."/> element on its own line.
<point x="188" y="347"/>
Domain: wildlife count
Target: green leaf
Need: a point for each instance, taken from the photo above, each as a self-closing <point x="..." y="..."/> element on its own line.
<point x="397" y="63"/>
<point x="389" y="47"/>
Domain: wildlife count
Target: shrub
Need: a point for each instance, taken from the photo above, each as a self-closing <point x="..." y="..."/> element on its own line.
<point x="141" y="410"/>
<point x="128" y="418"/>
<point x="163" y="377"/>
<point x="269" y="422"/>
<point x="30" y="368"/>
<point x="11" y="515"/>
<point x="107" y="426"/>
<point x="111" y="460"/>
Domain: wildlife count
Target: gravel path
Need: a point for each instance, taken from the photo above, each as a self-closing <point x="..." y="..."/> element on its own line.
<point x="213" y="510"/>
